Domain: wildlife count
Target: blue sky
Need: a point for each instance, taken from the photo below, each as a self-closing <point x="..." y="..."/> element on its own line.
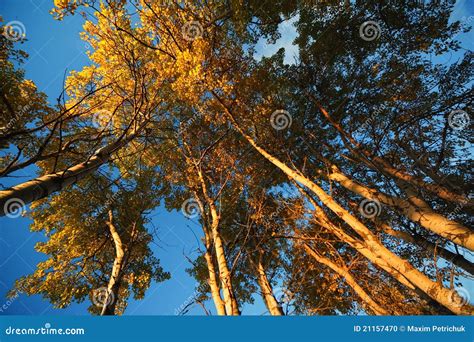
<point x="55" y="49"/>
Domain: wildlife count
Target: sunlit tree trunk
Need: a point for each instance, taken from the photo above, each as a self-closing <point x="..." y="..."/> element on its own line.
<point x="380" y="164"/>
<point x="430" y="247"/>
<point x="417" y="278"/>
<point x="415" y="209"/>
<point x="114" y="281"/>
<point x="440" y="191"/>
<point x="368" y="302"/>
<point x="230" y="301"/>
<point x="268" y="296"/>
<point x="361" y="246"/>
<point x="43" y="186"/>
<point x="224" y="272"/>
<point x="213" y="283"/>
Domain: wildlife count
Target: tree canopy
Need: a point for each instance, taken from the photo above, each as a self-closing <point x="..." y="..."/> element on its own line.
<point x="338" y="184"/>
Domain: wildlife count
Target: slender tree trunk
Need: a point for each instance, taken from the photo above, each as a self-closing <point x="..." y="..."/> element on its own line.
<point x="230" y="301"/>
<point x="431" y="288"/>
<point x="369" y="303"/>
<point x="271" y="302"/>
<point x="360" y="246"/>
<point x="213" y="283"/>
<point x="43" y="186"/>
<point x="114" y="281"/>
<point x="225" y="276"/>
<point x="430" y="247"/>
<point x="415" y="209"/>
<point x="380" y="164"/>
<point x="213" y="238"/>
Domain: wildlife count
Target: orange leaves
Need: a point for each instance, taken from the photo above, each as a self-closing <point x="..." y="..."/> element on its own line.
<point x="190" y="73"/>
<point x="62" y="7"/>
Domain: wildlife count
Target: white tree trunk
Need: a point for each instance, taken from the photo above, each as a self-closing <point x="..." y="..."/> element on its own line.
<point x="43" y="186"/>
<point x="433" y="289"/>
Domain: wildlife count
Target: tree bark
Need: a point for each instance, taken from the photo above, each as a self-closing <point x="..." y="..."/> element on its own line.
<point x="271" y="302"/>
<point x="417" y="278"/>
<point x="430" y="247"/>
<point x="114" y="281"/>
<point x="349" y="279"/>
<point x="225" y="276"/>
<point x="213" y="283"/>
<point x="230" y="301"/>
<point x="381" y="164"/>
<point x="44" y="186"/>
<point x="416" y="210"/>
<point x="360" y="246"/>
